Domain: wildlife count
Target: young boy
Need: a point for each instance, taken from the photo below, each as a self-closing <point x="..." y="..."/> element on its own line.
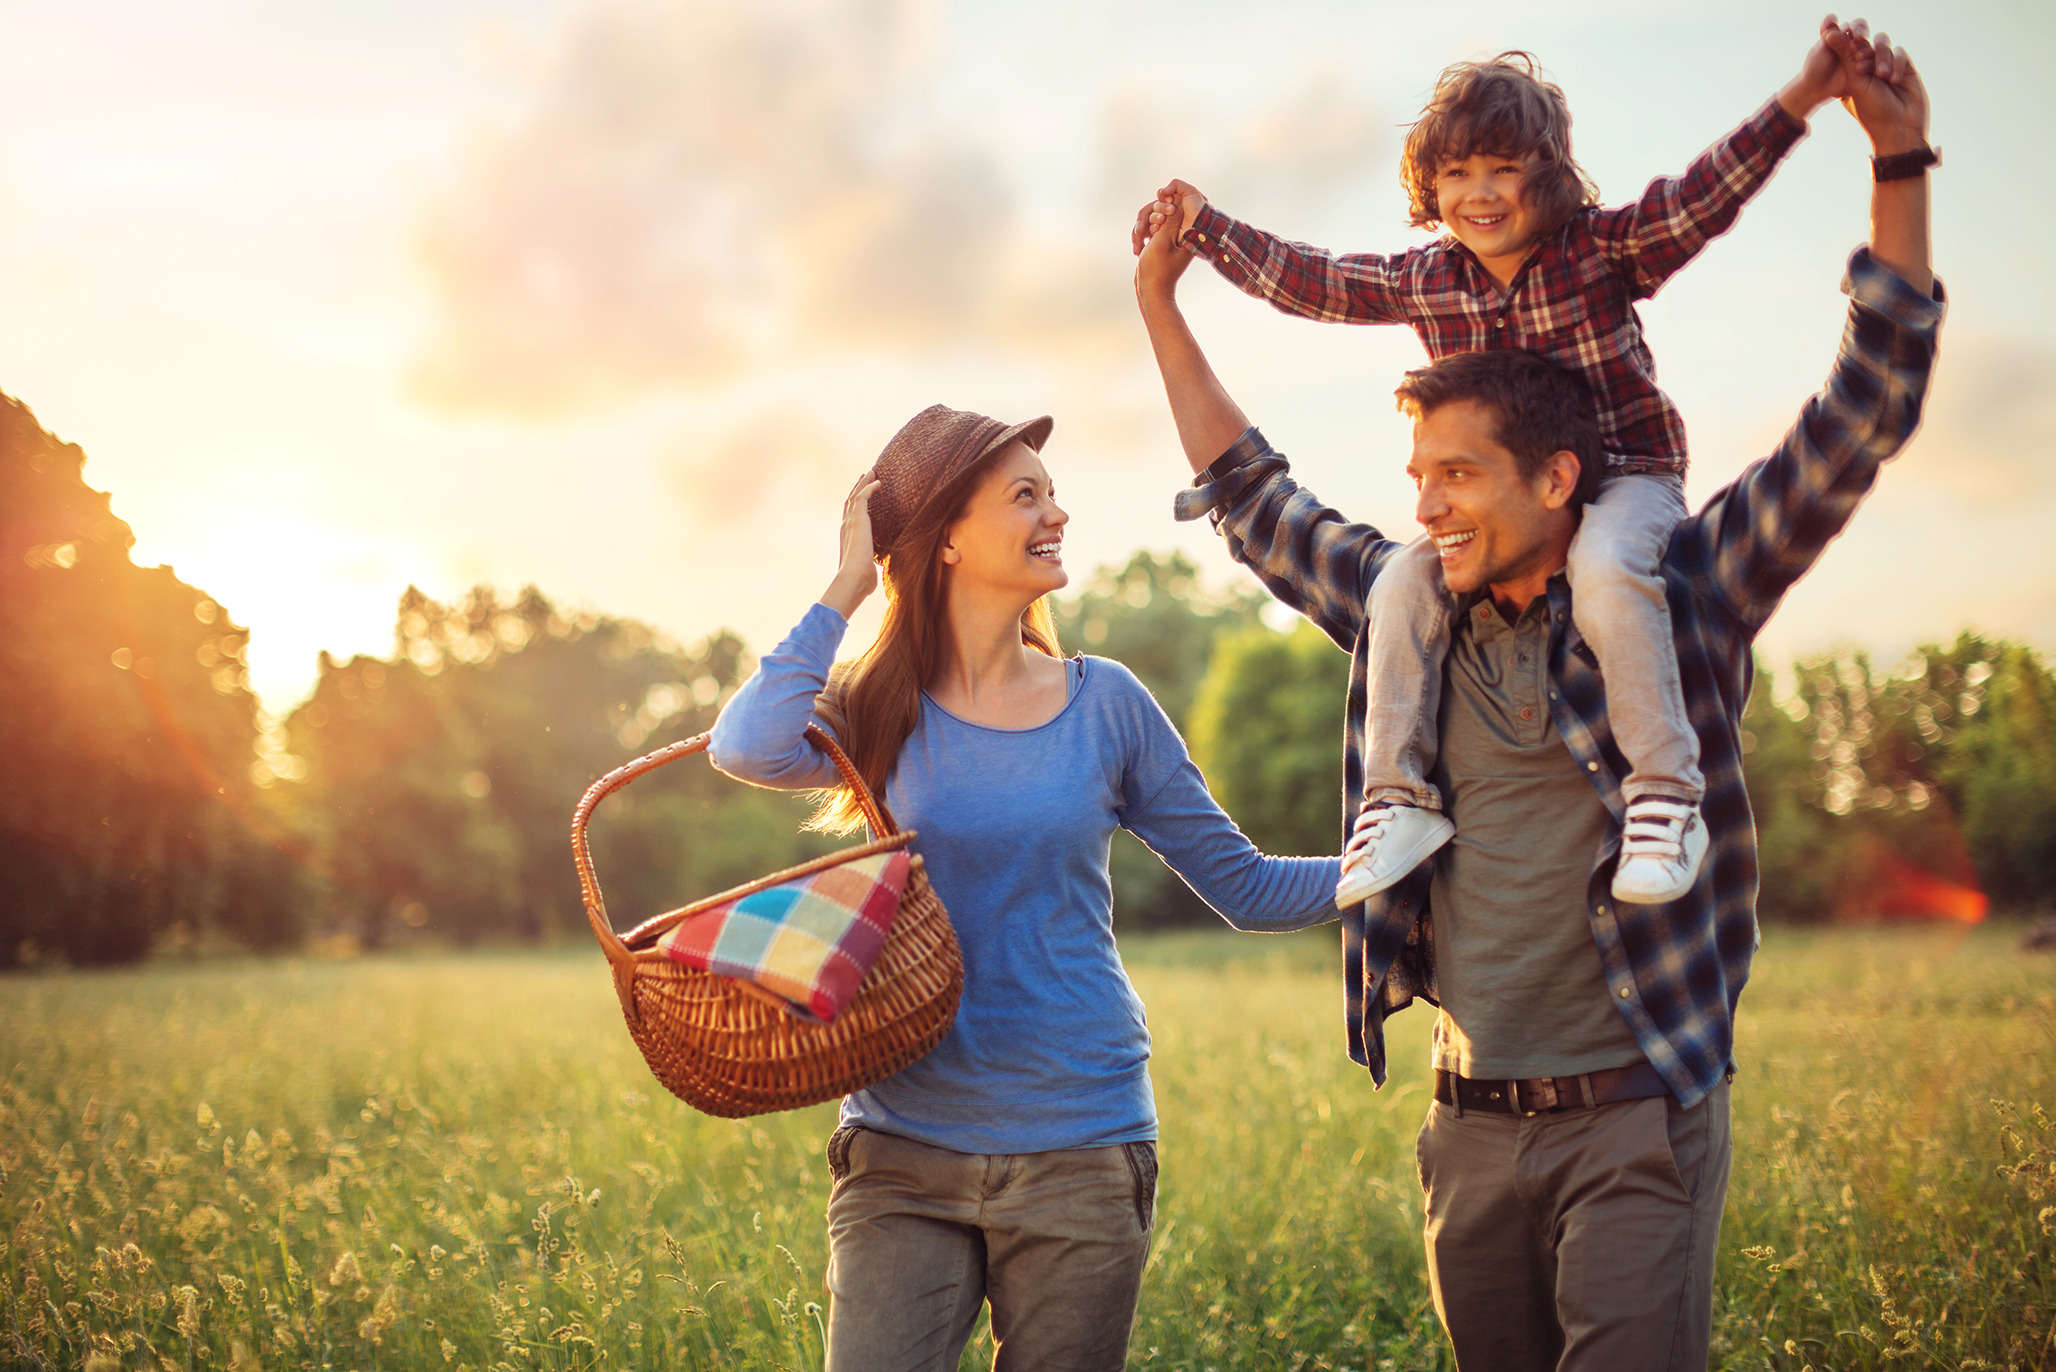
<point x="1530" y="262"/>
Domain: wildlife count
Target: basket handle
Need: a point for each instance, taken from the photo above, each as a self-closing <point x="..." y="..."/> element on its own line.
<point x="620" y="960"/>
<point x="875" y="814"/>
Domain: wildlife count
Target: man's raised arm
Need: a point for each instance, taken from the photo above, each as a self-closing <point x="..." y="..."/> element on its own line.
<point x="1209" y="421"/>
<point x="1753" y="540"/>
<point x="1306" y="554"/>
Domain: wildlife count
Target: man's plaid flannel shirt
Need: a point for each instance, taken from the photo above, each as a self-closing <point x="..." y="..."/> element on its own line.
<point x="1573" y="300"/>
<point x="1677" y="969"/>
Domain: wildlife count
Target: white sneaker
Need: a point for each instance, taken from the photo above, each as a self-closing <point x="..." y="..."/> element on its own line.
<point x="1662" y="845"/>
<point x="1389" y="841"/>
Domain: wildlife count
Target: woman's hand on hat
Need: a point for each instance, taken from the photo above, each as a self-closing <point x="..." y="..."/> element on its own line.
<point x="857" y="574"/>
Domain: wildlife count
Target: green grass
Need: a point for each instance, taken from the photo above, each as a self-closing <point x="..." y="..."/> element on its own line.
<point x="413" y="1163"/>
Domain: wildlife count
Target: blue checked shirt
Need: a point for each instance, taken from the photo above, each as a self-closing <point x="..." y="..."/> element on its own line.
<point x="1677" y="969"/>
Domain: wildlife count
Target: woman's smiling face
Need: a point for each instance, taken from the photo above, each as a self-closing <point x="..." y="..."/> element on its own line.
<point x="1011" y="533"/>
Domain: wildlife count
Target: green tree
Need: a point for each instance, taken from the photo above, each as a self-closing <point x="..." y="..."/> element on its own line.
<point x="1152" y="616"/>
<point x="1943" y="770"/>
<point x="440" y="782"/>
<point x="126" y="719"/>
<point x="1267" y="729"/>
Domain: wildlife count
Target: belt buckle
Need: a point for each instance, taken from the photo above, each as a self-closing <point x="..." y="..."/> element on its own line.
<point x="1542" y="1096"/>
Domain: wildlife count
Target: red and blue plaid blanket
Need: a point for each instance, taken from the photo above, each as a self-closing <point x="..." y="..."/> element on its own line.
<point x="809" y="941"/>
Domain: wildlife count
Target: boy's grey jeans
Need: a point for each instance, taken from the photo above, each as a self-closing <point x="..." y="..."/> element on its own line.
<point x="1618" y="606"/>
<point x="920" y="1237"/>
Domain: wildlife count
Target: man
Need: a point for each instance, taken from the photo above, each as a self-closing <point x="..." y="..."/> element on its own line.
<point x="1576" y="1156"/>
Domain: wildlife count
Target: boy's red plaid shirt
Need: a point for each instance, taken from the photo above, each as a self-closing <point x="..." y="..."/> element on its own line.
<point x="1573" y="301"/>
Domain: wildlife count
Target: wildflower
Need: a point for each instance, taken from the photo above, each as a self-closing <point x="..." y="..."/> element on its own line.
<point x="206" y="1116"/>
<point x="345" y="1270"/>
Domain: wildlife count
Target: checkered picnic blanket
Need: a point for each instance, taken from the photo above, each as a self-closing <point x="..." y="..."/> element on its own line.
<point x="809" y="941"/>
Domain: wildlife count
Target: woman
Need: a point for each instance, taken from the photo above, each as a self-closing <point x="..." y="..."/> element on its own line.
<point x="1016" y="1163"/>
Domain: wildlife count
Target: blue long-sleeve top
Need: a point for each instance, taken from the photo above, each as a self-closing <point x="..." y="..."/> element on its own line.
<point x="1050" y="1049"/>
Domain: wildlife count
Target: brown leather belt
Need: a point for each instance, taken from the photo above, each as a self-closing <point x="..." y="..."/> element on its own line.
<point x="1540" y="1095"/>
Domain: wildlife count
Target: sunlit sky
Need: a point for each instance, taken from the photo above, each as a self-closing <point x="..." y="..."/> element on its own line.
<point x="618" y="297"/>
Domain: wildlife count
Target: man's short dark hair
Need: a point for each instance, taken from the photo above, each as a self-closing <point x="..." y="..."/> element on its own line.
<point x="1539" y="408"/>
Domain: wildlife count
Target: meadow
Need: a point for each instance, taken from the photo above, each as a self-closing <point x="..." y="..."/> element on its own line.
<point x="460" y="1161"/>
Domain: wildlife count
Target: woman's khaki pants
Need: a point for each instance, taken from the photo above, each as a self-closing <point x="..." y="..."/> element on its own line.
<point x="919" y="1238"/>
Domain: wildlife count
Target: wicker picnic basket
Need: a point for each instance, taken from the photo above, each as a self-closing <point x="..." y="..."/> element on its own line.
<point x="729" y="1048"/>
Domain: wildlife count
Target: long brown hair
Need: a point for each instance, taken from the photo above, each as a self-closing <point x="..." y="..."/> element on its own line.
<point x="873" y="701"/>
<point x="1502" y="108"/>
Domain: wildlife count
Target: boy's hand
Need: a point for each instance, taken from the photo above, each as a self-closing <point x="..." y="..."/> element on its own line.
<point x="1884" y="91"/>
<point x="1825" y="73"/>
<point x="1179" y="199"/>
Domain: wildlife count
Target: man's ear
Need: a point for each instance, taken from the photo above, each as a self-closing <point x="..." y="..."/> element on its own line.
<point x="1560" y="479"/>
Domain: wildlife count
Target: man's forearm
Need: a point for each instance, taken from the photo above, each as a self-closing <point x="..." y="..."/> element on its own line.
<point x="1899" y="230"/>
<point x="1208" y="419"/>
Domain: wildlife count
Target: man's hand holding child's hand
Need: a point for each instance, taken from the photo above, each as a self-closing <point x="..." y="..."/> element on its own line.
<point x="1882" y="89"/>
<point x="1873" y="79"/>
<point x="1181" y="199"/>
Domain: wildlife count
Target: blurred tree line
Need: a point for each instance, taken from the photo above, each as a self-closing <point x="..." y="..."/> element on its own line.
<point x="435" y="787"/>
<point x="427" y="794"/>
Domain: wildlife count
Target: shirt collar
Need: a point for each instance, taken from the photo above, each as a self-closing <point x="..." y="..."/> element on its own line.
<point x="1555" y="602"/>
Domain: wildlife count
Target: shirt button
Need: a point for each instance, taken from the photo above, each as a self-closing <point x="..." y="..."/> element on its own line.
<point x="1552" y="695"/>
<point x="1200" y="236"/>
<point x="1601" y="909"/>
<point x="1527" y="712"/>
<point x="1499" y="323"/>
<point x="1624" y="993"/>
<point x="1591" y="766"/>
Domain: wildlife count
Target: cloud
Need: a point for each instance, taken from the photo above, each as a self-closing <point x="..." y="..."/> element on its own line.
<point x="697" y="192"/>
<point x="1990" y="430"/>
<point x="1322" y="144"/>
<point x="777" y="457"/>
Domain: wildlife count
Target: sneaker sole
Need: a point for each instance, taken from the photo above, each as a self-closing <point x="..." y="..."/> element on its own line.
<point x="1358" y="885"/>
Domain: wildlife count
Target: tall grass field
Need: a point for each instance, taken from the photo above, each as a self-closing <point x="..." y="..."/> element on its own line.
<point x="460" y="1161"/>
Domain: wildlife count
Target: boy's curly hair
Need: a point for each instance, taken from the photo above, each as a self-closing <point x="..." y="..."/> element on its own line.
<point x="1498" y="107"/>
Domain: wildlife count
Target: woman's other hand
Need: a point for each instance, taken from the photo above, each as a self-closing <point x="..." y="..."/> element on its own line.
<point x="857" y="575"/>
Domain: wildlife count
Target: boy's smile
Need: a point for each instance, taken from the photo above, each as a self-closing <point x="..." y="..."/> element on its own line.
<point x="1480" y="201"/>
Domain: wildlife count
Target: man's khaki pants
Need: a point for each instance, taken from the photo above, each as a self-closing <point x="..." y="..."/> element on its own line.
<point x="1581" y="1240"/>
<point x="919" y="1238"/>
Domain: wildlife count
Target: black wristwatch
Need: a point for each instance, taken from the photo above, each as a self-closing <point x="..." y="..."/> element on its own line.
<point x="1900" y="165"/>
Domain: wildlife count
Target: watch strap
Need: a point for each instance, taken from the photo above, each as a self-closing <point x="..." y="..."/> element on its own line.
<point x="1900" y="165"/>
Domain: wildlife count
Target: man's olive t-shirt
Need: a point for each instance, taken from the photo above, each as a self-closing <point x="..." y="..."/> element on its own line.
<point x="1523" y="992"/>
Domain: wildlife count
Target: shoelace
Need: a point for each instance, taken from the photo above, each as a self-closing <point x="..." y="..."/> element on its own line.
<point x="1371" y="824"/>
<point x="1656" y="828"/>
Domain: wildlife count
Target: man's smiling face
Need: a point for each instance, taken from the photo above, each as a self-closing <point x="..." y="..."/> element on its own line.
<point x="1492" y="526"/>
